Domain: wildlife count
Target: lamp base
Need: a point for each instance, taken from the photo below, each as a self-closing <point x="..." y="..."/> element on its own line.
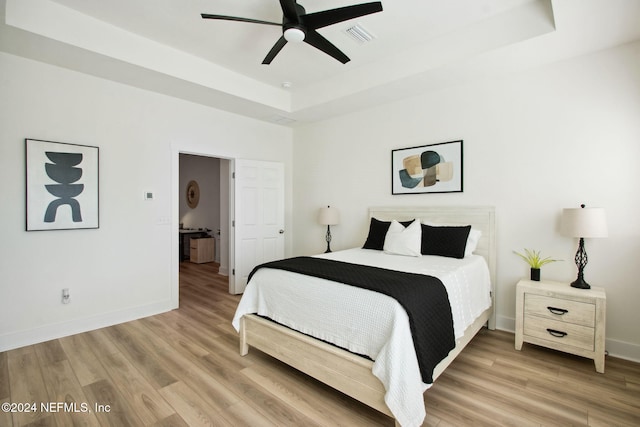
<point x="581" y="262"/>
<point x="580" y="284"/>
<point x="328" y="239"/>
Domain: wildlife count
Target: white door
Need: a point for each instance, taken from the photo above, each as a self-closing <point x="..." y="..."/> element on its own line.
<point x="259" y="216"/>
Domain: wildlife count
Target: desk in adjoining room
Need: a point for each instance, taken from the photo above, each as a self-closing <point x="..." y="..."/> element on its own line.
<point x="186" y="232"/>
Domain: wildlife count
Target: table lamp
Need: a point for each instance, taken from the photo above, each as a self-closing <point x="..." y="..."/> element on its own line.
<point x="583" y="223"/>
<point x="328" y="216"/>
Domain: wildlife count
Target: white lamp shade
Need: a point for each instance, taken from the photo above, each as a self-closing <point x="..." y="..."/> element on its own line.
<point x="329" y="216"/>
<point x="584" y="222"/>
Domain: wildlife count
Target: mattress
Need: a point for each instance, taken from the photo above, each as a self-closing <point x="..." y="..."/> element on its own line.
<point x="369" y="323"/>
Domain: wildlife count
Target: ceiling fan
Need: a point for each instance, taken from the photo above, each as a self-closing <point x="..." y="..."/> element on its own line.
<point x="298" y="26"/>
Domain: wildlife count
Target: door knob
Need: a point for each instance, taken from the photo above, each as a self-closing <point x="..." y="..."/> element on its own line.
<point x="281" y="231"/>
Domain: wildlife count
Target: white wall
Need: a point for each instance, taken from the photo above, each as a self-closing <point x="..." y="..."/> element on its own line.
<point x="534" y="143"/>
<point x="126" y="268"/>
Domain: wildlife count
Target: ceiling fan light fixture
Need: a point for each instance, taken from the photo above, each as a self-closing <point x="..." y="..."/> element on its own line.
<point x="294" y="35"/>
<point x="299" y="26"/>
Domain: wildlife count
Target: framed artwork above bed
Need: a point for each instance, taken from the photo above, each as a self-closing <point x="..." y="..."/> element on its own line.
<point x="433" y="168"/>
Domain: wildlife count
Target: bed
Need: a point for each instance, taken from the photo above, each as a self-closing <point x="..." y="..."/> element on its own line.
<point x="386" y="381"/>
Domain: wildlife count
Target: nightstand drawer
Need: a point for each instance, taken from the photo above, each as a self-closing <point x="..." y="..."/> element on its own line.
<point x="561" y="310"/>
<point x="560" y="332"/>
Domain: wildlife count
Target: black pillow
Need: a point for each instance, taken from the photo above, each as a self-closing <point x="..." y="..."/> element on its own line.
<point x="449" y="241"/>
<point x="377" y="232"/>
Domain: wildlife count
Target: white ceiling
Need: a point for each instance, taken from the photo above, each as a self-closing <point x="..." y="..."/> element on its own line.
<point x="165" y="46"/>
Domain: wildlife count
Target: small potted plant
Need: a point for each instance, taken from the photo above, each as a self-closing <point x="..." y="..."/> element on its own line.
<point x="535" y="261"/>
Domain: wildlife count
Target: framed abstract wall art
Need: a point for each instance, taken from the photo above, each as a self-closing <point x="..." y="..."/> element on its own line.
<point x="61" y="186"/>
<point x="434" y="168"/>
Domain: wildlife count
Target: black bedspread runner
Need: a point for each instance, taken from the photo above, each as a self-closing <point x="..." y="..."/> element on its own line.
<point x="423" y="297"/>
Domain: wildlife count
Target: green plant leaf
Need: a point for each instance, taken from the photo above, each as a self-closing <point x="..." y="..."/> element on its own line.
<point x="534" y="259"/>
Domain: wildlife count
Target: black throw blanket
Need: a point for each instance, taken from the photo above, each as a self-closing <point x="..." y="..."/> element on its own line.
<point x="423" y="297"/>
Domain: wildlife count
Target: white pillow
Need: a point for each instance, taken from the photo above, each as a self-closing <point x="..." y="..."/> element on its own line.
<point x="472" y="241"/>
<point x="403" y="241"/>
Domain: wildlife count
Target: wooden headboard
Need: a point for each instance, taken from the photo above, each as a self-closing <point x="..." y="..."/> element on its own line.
<point x="479" y="217"/>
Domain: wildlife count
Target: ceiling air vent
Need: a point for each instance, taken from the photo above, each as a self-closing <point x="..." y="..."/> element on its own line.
<point x="359" y="34"/>
<point x="281" y="120"/>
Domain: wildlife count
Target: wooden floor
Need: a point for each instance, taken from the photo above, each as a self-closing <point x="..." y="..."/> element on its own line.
<point x="182" y="368"/>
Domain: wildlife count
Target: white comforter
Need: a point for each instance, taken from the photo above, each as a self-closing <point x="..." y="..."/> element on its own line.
<point x="367" y="322"/>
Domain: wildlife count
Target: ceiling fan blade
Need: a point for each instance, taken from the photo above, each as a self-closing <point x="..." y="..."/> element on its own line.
<point x="235" y="18"/>
<point x="274" y="50"/>
<point x="290" y="10"/>
<point x="333" y="16"/>
<point x="319" y="42"/>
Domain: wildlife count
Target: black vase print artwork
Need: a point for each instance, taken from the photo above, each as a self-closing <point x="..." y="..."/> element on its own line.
<point x="62" y="186"/>
<point x="63" y="170"/>
<point x="425" y="169"/>
<point x="432" y="168"/>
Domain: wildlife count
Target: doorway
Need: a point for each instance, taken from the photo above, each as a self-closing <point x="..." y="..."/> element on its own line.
<point x="204" y="202"/>
<point x="262" y="201"/>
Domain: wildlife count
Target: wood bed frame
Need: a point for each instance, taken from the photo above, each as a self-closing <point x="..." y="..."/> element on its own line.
<point x="345" y="371"/>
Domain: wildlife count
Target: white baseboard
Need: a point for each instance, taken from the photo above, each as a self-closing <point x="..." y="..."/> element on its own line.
<point x="614" y="348"/>
<point x="506" y="324"/>
<point x="44" y="333"/>
<point x="623" y="350"/>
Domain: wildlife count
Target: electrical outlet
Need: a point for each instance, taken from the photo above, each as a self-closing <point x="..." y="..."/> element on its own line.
<point x="66" y="297"/>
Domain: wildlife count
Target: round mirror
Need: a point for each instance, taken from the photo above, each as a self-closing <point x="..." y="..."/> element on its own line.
<point x="193" y="194"/>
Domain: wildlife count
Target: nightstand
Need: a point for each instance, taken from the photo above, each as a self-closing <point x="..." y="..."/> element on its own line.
<point x="557" y="316"/>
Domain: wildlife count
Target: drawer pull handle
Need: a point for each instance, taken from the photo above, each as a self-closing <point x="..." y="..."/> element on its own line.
<point x="558" y="334"/>
<point x="558" y="311"/>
